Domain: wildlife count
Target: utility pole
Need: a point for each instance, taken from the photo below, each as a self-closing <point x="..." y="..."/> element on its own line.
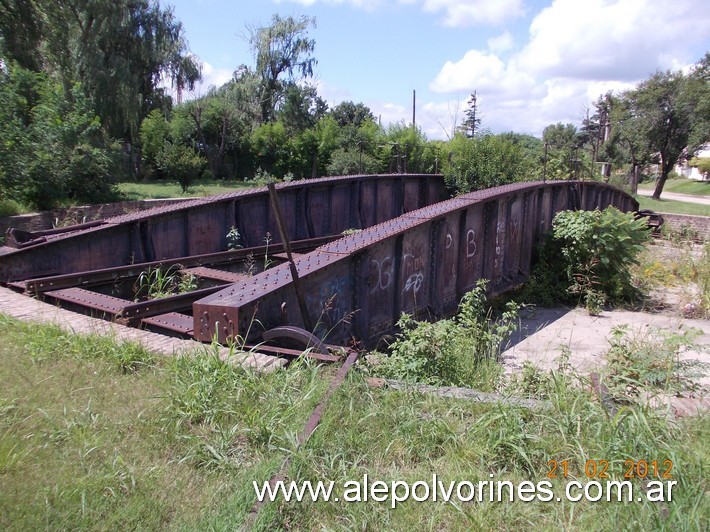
<point x="414" y="110"/>
<point x="544" y="164"/>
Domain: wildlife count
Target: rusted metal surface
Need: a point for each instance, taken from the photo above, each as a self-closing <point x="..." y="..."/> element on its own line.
<point x="420" y="263"/>
<point x="163" y="305"/>
<point x="82" y="298"/>
<point x="303" y="339"/>
<point x="311" y="208"/>
<point x="411" y="253"/>
<point x="654" y="220"/>
<point x="283" y="233"/>
<point x="113" y="275"/>
<point x="216" y="275"/>
<point x="171" y="323"/>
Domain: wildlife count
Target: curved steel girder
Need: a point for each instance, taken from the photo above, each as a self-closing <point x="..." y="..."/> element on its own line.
<point x="425" y="259"/>
<point x="292" y="334"/>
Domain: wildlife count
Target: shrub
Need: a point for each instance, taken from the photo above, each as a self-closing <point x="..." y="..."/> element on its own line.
<point x="651" y="363"/>
<point x="483" y="162"/>
<point x="9" y="207"/>
<point x="599" y="248"/>
<point x="460" y="351"/>
<point x="54" y="147"/>
<point x="181" y="163"/>
<point x="702" y="164"/>
<point x="352" y="162"/>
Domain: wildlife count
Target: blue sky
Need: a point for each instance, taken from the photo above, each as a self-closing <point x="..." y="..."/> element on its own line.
<point x="532" y="62"/>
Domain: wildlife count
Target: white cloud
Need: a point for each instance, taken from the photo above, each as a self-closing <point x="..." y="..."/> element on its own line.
<point x="389" y="113"/>
<point x="619" y="39"/>
<point x="211" y="77"/>
<point x="471" y="12"/>
<point x="367" y="5"/>
<point x="576" y="52"/>
<point x="456" y="13"/>
<point x="485" y="72"/>
<point x="473" y="70"/>
<point x="216" y="77"/>
<point x="501" y="43"/>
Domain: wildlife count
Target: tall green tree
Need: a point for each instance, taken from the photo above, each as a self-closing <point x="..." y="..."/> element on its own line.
<point x="283" y="53"/>
<point x="698" y="92"/>
<point x="120" y="51"/>
<point x="659" y="120"/>
<point x="301" y="108"/>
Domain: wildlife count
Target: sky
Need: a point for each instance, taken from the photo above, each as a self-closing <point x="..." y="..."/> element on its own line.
<point x="531" y="62"/>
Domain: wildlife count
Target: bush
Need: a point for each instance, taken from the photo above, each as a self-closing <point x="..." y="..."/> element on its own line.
<point x="54" y="147"/>
<point x="652" y="363"/>
<point x="461" y="351"/>
<point x="599" y="248"/>
<point x="483" y="162"/>
<point x="181" y="163"/>
<point x="702" y="164"/>
<point x="9" y="207"/>
<point x="352" y="162"/>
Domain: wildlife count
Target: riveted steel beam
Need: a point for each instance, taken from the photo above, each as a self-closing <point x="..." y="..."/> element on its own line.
<point x="421" y="263"/>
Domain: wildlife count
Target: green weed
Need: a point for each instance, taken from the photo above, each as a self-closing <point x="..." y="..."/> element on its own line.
<point x="461" y="351"/>
<point x="599" y="248"/>
<point x="155" y="283"/>
<point x="652" y="363"/>
<point x="233" y="238"/>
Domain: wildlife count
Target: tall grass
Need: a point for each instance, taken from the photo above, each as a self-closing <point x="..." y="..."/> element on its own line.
<point x="178" y="443"/>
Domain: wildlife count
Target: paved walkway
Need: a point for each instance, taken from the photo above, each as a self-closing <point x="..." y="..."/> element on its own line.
<point x="28" y="309"/>
<point x="546" y="333"/>
<point x="702" y="200"/>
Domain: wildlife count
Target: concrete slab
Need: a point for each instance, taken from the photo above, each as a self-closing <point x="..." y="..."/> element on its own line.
<point x="544" y="334"/>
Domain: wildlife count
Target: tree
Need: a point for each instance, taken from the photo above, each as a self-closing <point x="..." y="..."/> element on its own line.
<point x="217" y="127"/>
<point x="483" y="162"/>
<point x="698" y="92"/>
<point x="661" y="114"/>
<point x="596" y="132"/>
<point x="270" y="145"/>
<point x="181" y="163"/>
<point x="472" y="122"/>
<point x="301" y="108"/>
<point x="348" y="113"/>
<point x="119" y="51"/>
<point x="281" y="49"/>
<point x="21" y="33"/>
<point x="562" y="157"/>
<point x="404" y="149"/>
<point x="154" y="132"/>
<point x="54" y="147"/>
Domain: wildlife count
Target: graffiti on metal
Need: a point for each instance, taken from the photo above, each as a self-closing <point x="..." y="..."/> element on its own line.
<point x="420" y="263"/>
<point x="410" y="252"/>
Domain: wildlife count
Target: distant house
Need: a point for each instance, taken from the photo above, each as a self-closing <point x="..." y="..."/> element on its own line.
<point x="691" y="172"/>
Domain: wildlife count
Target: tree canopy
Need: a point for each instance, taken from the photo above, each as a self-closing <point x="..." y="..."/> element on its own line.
<point x="83" y="87"/>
